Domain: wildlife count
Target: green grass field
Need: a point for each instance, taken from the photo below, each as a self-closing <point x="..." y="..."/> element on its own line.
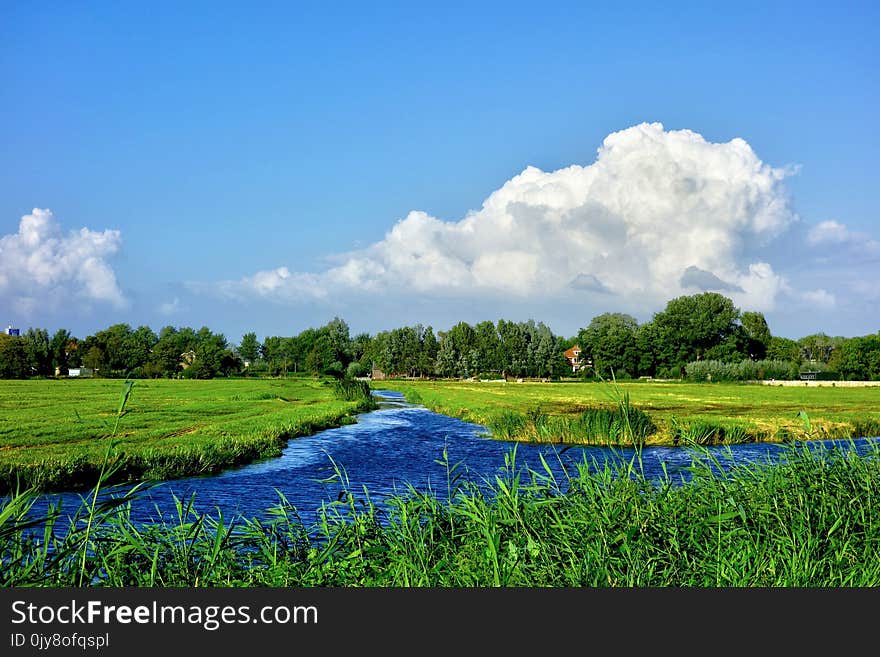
<point x="737" y="412"/>
<point x="810" y="520"/>
<point x="55" y="433"/>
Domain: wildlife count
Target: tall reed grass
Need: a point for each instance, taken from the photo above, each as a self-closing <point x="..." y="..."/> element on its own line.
<point x="348" y="389"/>
<point x="712" y="432"/>
<point x="810" y="520"/>
<point x="620" y="424"/>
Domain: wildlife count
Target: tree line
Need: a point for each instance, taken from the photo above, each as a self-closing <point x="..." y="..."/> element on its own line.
<point x="694" y="336"/>
<point x="698" y="335"/>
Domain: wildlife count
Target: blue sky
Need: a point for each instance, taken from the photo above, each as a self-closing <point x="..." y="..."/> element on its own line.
<point x="267" y="168"/>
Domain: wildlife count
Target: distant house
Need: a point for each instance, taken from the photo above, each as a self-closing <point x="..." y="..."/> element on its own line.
<point x="187" y="358"/>
<point x="80" y="371"/>
<point x="11" y="330"/>
<point x="573" y="356"/>
<point x="380" y="375"/>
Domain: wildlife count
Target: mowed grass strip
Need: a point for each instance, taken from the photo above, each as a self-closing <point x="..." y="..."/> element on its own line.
<point x="737" y="412"/>
<point x="54" y="434"/>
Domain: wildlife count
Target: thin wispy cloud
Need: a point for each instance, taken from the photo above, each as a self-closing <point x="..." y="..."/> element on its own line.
<point x="820" y="298"/>
<point x="835" y="234"/>
<point x="170" y="307"/>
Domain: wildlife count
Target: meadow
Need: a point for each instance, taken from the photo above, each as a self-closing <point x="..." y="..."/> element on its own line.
<point x="651" y="412"/>
<point x="55" y="433"/>
<point x="809" y="520"/>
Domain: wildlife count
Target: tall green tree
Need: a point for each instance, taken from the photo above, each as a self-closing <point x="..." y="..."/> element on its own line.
<point x="857" y="359"/>
<point x="610" y="341"/>
<point x="646" y="345"/>
<point x="396" y="351"/>
<point x="212" y="356"/>
<point x="461" y="340"/>
<point x="360" y="344"/>
<point x="315" y="362"/>
<point x="39" y="351"/>
<point x="445" y="363"/>
<point x="757" y="333"/>
<point x="13" y="358"/>
<point x="338" y="345"/>
<point x="249" y="349"/>
<point x="780" y="348"/>
<point x="458" y="354"/>
<point x="138" y="347"/>
<point x="165" y="357"/>
<point x="59" y="345"/>
<point x="696" y="327"/>
<point x="549" y="360"/>
<point x="819" y="347"/>
<point x="513" y="348"/>
<point x="95" y="359"/>
<point x="428" y="352"/>
<point x="488" y="347"/>
<point x="114" y="341"/>
<point x="74" y="356"/>
<point x="275" y="350"/>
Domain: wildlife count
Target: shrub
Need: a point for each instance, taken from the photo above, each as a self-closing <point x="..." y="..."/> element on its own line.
<point x="709" y="432"/>
<point x="866" y="428"/>
<point x="607" y="425"/>
<point x="744" y="370"/>
<point x="354" y="390"/>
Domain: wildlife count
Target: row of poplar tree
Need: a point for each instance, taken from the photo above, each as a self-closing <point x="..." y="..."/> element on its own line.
<point x="705" y="327"/>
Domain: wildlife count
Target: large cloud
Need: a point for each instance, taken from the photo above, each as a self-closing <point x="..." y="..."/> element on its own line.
<point x="658" y="214"/>
<point x="40" y="266"/>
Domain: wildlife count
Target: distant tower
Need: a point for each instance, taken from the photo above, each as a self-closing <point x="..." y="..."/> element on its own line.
<point x="11" y="330"/>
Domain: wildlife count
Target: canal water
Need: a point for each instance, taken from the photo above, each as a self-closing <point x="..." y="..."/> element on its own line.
<point x="401" y="445"/>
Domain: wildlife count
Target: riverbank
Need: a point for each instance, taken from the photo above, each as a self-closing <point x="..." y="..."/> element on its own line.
<point x="682" y="413"/>
<point x="810" y="520"/>
<point x="57" y="434"/>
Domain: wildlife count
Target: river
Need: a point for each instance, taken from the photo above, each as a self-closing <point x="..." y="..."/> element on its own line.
<point x="397" y="445"/>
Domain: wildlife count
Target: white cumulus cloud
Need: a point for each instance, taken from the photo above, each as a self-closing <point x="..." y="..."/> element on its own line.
<point x="659" y="213"/>
<point x="40" y="265"/>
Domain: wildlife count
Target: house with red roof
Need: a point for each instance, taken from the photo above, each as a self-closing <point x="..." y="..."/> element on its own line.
<point x="573" y="356"/>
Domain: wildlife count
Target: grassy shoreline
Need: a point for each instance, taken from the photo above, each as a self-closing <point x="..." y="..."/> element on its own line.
<point x="56" y="433"/>
<point x="683" y="413"/>
<point x="810" y="520"/>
